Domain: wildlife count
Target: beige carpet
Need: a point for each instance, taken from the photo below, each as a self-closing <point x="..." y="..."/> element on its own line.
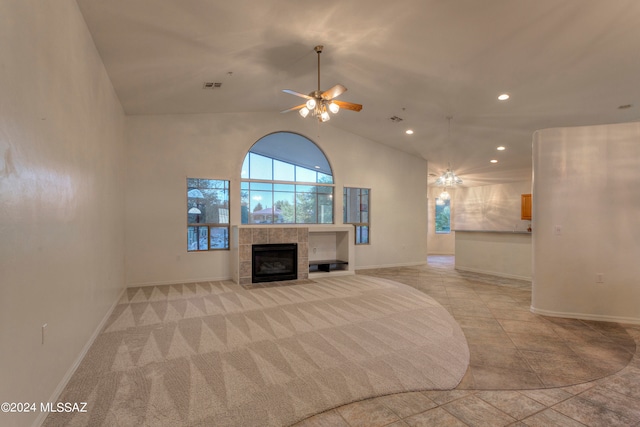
<point x="216" y="354"/>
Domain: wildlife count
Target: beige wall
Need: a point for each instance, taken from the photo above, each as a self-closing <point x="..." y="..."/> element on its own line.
<point x="586" y="222"/>
<point x="491" y="207"/>
<point x="164" y="150"/>
<point x="61" y="191"/>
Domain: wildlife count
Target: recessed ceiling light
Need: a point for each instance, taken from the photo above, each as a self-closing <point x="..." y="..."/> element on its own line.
<point x="494" y="161"/>
<point x="409" y="132"/>
<point x="503" y="97"/>
<point x="501" y="148"/>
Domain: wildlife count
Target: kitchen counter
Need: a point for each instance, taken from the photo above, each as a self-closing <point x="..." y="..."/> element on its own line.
<point x="497" y="252"/>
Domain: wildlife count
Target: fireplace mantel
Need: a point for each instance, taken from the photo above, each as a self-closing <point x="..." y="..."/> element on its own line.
<point x="314" y="242"/>
<point x="243" y="237"/>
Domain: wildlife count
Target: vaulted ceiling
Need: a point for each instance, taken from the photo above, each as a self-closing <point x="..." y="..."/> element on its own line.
<point x="563" y="62"/>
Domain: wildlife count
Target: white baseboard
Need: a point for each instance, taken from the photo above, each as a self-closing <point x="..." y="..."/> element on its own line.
<point x="403" y="264"/>
<point x="494" y="273"/>
<point x="175" y="281"/>
<point x="332" y="273"/>
<point x="65" y="380"/>
<point x="586" y="316"/>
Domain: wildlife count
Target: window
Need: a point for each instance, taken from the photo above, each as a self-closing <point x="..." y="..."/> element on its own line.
<point x="207" y="214"/>
<point x="443" y="216"/>
<point x="286" y="179"/>
<point x="356" y="211"/>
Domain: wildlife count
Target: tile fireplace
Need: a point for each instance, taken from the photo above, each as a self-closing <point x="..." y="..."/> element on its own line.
<point x="273" y="262"/>
<point x="244" y="238"/>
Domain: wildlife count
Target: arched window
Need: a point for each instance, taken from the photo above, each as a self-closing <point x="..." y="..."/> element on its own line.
<point x="286" y="179"/>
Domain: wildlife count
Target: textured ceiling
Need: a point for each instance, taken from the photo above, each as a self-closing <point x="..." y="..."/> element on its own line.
<point x="564" y="63"/>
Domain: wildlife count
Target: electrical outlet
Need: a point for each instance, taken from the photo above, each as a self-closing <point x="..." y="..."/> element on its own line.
<point x="44" y="328"/>
<point x="599" y="278"/>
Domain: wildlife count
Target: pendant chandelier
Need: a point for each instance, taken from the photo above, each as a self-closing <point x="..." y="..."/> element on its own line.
<point x="448" y="178"/>
<point x="445" y="195"/>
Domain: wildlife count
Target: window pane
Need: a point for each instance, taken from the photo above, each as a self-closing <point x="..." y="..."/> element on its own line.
<point x="284" y="203"/>
<point x="306" y="205"/>
<point x="214" y="204"/>
<point x="364" y="205"/>
<point x="305" y="175"/>
<point x="283" y="171"/>
<point x="324" y="189"/>
<point x="356" y="211"/>
<point x="260" y="167"/>
<point x="244" y="203"/>
<point x="325" y="208"/>
<point x="443" y="216"/>
<point x="294" y="149"/>
<point x="324" y="178"/>
<point x="203" y="238"/>
<point x="351" y="201"/>
<point x="286" y="157"/>
<point x="192" y="238"/>
<point x="207" y="204"/>
<point x="219" y="237"/>
<point x="261" y="206"/>
<point x="305" y="188"/>
<point x="362" y="234"/>
<point x="262" y="186"/>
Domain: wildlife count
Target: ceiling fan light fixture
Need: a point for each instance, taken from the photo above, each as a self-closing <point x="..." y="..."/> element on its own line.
<point x="319" y="103"/>
<point x="311" y="104"/>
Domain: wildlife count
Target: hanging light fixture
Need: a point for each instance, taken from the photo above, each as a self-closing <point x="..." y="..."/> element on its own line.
<point x="319" y="108"/>
<point x="320" y="103"/>
<point x="444" y="195"/>
<point x="448" y="178"/>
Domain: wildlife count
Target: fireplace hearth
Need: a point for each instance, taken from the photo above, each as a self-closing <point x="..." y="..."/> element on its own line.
<point x="274" y="262"/>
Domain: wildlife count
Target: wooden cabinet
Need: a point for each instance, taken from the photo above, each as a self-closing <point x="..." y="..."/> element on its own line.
<point x="525" y="208"/>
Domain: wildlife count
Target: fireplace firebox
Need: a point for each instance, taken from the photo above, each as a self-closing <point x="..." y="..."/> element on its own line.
<point x="274" y="262"/>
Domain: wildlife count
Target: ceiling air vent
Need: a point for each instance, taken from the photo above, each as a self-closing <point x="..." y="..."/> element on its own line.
<point x="211" y="85"/>
<point x="395" y="119"/>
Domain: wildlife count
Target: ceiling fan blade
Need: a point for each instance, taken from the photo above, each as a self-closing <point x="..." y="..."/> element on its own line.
<point x="293" y="92"/>
<point x="348" y="105"/>
<point x="334" y="92"/>
<point x="297" y="107"/>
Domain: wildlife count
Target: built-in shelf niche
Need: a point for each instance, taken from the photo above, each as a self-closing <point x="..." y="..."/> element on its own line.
<point x="332" y="243"/>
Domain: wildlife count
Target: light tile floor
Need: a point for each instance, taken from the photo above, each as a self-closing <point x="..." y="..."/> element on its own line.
<point x="525" y="369"/>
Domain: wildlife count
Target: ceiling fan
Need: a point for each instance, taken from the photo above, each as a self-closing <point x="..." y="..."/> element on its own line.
<point x="320" y="103"/>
